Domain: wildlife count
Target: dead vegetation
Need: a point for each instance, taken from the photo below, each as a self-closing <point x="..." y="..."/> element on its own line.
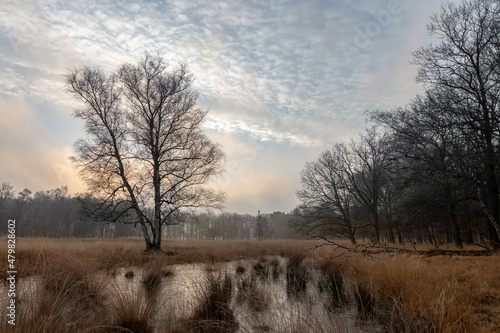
<point x="34" y="255"/>
<point x="403" y="292"/>
<point x="413" y="293"/>
<point x="213" y="313"/>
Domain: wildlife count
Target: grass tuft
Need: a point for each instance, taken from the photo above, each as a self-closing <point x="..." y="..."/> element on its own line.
<point x="213" y="312"/>
<point x="331" y="282"/>
<point x="129" y="274"/>
<point x="240" y="269"/>
<point x="153" y="278"/>
<point x="132" y="313"/>
<point x="250" y="289"/>
<point x="297" y="273"/>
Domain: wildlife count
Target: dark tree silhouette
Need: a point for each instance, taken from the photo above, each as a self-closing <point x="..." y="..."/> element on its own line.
<point x="326" y="198"/>
<point x="145" y="157"/>
<point x="466" y="66"/>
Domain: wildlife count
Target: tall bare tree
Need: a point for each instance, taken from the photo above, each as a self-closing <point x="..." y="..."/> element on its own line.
<point x="366" y="169"/>
<point x="432" y="153"/>
<point x="466" y="63"/>
<point x="326" y="198"/>
<point x="145" y="156"/>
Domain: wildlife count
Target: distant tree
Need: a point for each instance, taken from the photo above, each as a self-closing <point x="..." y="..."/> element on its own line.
<point x="24" y="195"/>
<point x="345" y="178"/>
<point x="6" y="196"/>
<point x="262" y="229"/>
<point x="145" y="148"/>
<point x="280" y="223"/>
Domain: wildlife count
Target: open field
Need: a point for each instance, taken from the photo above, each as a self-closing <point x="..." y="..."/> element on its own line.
<point x="402" y="292"/>
<point x="35" y="255"/>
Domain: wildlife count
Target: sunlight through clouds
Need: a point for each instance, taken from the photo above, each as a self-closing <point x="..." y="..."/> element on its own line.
<point x="31" y="157"/>
<point x="296" y="73"/>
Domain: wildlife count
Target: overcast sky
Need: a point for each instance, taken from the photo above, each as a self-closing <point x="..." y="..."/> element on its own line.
<point x="283" y="80"/>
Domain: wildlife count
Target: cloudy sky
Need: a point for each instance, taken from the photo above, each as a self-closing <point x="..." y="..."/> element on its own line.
<point x="283" y="79"/>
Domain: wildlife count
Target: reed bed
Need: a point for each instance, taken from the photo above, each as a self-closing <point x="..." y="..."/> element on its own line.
<point x="409" y="293"/>
<point x="34" y="255"/>
<point x="63" y="286"/>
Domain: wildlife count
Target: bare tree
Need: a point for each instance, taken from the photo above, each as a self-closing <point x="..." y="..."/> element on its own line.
<point x="145" y="150"/>
<point x="366" y="169"/>
<point x="326" y="198"/>
<point x="6" y="196"/>
<point x="433" y="152"/>
<point x="466" y="64"/>
<point x="262" y="229"/>
<point x="344" y="179"/>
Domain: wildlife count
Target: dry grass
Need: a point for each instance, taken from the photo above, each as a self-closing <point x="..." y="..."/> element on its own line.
<point x="253" y="293"/>
<point x="34" y="255"/>
<point x="132" y="313"/>
<point x="332" y="283"/>
<point x="409" y="293"/>
<point x="65" y="297"/>
<point x="405" y="293"/>
<point x="213" y="313"/>
<point x="153" y="279"/>
<point x="297" y="273"/>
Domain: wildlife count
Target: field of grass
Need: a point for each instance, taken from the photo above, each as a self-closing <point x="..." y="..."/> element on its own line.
<point x="37" y="255"/>
<point x="403" y="292"/>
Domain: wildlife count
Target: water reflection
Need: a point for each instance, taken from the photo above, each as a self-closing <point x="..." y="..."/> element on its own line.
<point x="272" y="294"/>
<point x="262" y="298"/>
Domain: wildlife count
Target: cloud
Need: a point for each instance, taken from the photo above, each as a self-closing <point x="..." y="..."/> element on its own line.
<point x="30" y="159"/>
<point x="293" y="76"/>
<point x="272" y="62"/>
<point x="260" y="175"/>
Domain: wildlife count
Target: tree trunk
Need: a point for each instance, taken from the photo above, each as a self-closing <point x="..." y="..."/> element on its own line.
<point x="150" y="246"/>
<point x="493" y="235"/>
<point x="352" y="236"/>
<point x="157" y="210"/>
<point x="430" y="236"/>
<point x="491" y="220"/>
<point x="390" y="232"/>
<point x="468" y="233"/>
<point x="400" y="236"/>
<point x="377" y="227"/>
<point x="493" y="192"/>
<point x="457" y="236"/>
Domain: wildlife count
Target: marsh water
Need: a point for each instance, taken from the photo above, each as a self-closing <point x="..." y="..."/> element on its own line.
<point x="263" y="295"/>
<point x="262" y="299"/>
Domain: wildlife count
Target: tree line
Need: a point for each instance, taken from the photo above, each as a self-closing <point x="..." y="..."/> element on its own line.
<point x="428" y="171"/>
<point x="56" y="213"/>
<point x="51" y="213"/>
